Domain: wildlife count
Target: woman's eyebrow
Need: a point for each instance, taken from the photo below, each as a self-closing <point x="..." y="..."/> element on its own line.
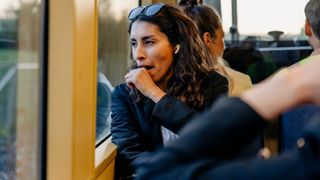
<point x="147" y="37"/>
<point x="143" y="38"/>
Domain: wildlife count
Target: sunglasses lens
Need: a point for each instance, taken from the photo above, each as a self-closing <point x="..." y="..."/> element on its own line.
<point x="146" y="10"/>
<point x="135" y="12"/>
<point x="153" y="9"/>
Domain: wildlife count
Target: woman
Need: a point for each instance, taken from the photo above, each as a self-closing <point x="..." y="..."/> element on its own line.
<point x="210" y="29"/>
<point x="169" y="82"/>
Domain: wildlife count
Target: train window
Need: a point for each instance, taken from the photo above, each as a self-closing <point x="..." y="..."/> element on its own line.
<point x="113" y="57"/>
<point x="273" y="39"/>
<point x="291" y="21"/>
<point x="19" y="89"/>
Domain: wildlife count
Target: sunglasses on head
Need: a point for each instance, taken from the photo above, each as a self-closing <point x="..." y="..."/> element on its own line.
<point x="149" y="10"/>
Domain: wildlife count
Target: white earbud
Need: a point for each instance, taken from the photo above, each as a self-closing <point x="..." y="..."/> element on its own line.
<point x="177" y="48"/>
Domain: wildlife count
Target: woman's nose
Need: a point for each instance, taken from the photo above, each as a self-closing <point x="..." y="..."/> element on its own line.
<point x="139" y="53"/>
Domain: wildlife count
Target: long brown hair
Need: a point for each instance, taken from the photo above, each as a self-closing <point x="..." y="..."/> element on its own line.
<point x="207" y="20"/>
<point x="190" y="65"/>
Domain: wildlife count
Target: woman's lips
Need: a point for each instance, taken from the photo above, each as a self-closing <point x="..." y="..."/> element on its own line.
<point x="146" y="67"/>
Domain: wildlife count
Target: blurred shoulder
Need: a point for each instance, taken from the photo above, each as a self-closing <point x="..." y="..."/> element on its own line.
<point x="239" y="81"/>
<point x="238" y="75"/>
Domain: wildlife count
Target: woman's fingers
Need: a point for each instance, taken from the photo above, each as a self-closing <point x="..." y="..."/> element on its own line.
<point x="140" y="78"/>
<point x="142" y="81"/>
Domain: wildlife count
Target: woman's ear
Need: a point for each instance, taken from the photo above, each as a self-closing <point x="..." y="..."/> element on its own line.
<point x="206" y="37"/>
<point x="307" y="28"/>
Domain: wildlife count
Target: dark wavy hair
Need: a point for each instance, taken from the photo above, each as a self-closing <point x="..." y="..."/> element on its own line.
<point x="190" y="64"/>
<point x="206" y="18"/>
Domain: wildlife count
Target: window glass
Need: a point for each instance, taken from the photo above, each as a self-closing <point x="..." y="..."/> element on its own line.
<point x="19" y="89"/>
<point x="268" y="37"/>
<point x="113" y="56"/>
<point x="258" y="17"/>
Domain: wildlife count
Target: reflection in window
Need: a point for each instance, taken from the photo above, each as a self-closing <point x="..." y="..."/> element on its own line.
<point x="104" y="89"/>
<point x="113" y="56"/>
<point x="19" y="82"/>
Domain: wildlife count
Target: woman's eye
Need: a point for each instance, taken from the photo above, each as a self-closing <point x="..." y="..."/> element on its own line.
<point x="149" y="42"/>
<point x="133" y="44"/>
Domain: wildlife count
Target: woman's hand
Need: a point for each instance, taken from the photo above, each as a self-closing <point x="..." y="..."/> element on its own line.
<point x="140" y="79"/>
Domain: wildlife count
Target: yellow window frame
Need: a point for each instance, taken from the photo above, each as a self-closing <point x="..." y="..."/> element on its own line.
<point x="72" y="68"/>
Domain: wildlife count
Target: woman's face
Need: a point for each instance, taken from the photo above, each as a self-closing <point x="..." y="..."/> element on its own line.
<point x="152" y="50"/>
<point x="218" y="43"/>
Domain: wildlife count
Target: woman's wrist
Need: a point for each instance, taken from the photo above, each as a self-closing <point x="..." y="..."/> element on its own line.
<point x="156" y="94"/>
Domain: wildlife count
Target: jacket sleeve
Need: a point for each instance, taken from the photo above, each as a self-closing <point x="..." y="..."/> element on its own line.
<point x="173" y="114"/>
<point x="204" y="144"/>
<point x="125" y="133"/>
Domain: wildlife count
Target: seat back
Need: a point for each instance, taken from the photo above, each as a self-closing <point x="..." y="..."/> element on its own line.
<point x="292" y="124"/>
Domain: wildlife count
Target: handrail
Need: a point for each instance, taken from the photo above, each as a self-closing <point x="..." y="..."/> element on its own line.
<point x="294" y="48"/>
<point x="7" y="77"/>
<point x="10" y="73"/>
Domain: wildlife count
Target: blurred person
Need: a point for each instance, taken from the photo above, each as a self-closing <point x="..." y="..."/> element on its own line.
<point x="104" y="89"/>
<point x="294" y="120"/>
